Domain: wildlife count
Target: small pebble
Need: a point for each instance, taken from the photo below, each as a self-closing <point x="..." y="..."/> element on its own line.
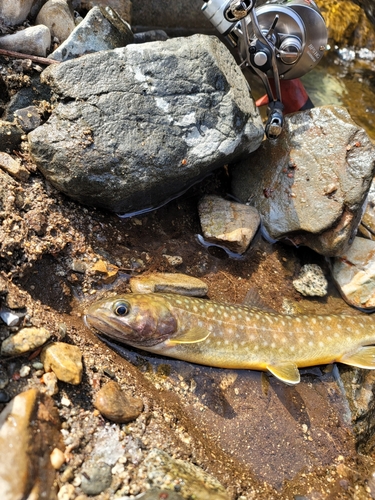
<point x="311" y="281"/>
<point x="115" y="405"/>
<point x="25" y="371"/>
<point x="9" y="318"/>
<point x="37" y="365"/>
<point x="65" y="401"/>
<point x="173" y="260"/>
<point x="25" y="340"/>
<point x="57" y="458"/>
<point x="96" y="478"/>
<point x="65" y="360"/>
<point x="66" y="492"/>
<point x="50" y="381"/>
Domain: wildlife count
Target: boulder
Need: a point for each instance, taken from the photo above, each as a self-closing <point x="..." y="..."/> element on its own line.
<point x="135" y="126"/>
<point x="311" y="183"/>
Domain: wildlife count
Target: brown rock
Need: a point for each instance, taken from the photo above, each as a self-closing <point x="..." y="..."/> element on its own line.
<point x="169" y="283"/>
<point x="29" y="431"/>
<point x="115" y="405"/>
<point x="13" y="167"/>
<point x="64" y="360"/>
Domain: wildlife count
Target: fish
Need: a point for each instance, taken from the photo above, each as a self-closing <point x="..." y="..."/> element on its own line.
<point x="210" y="333"/>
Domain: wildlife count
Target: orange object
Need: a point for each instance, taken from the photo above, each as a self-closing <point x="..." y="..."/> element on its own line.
<point x="293" y="95"/>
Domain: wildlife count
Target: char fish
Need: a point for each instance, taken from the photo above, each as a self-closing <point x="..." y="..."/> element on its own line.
<point x="229" y="336"/>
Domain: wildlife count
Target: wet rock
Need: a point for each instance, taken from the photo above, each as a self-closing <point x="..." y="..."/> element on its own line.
<point x="25" y="340"/>
<point x="15" y="11"/>
<point x="122" y="7"/>
<point x="115" y="405"/>
<point x="65" y="360"/>
<point x="13" y="167"/>
<point x="103" y="147"/>
<point x="311" y="281"/>
<point x="29" y="431"/>
<point x="227" y="223"/>
<point x="58" y="17"/>
<point x="169" y="283"/>
<point x="10" y="136"/>
<point x="164" y="471"/>
<point x="28" y="118"/>
<point x="310" y="185"/>
<point x="101" y="29"/>
<point x="35" y="40"/>
<point x="354" y="273"/>
<point x="96" y="478"/>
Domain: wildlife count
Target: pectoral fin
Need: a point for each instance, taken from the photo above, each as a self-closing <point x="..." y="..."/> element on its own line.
<point x="364" y="357"/>
<point x="190" y="337"/>
<point x="286" y="372"/>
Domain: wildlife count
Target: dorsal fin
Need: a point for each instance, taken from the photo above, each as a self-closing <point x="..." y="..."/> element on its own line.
<point x="192" y="336"/>
<point x="364" y="357"/>
<point x="286" y="372"/>
<point x="253" y="299"/>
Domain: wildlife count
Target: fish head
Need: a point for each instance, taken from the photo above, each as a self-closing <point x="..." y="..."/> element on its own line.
<point x="140" y="320"/>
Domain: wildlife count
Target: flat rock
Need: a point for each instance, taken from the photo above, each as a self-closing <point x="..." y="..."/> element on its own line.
<point x="27" y="339"/>
<point x="29" y="431"/>
<point x="227" y="223"/>
<point x="15" y="11"/>
<point x="35" y="40"/>
<point x="311" y="183"/>
<point x="135" y="126"/>
<point x="58" y="17"/>
<point x="169" y="283"/>
<point x="117" y="406"/>
<point x="65" y="360"/>
<point x="354" y="273"/>
<point x="28" y="118"/>
<point x="165" y="472"/>
<point x="101" y="29"/>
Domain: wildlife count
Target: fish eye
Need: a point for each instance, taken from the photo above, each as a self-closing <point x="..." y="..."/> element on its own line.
<point x="121" y="308"/>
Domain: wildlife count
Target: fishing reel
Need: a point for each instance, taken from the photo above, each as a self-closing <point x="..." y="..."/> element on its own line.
<point x="277" y="41"/>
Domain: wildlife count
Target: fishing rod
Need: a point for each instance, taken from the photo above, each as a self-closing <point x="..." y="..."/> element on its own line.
<point x="277" y="41"/>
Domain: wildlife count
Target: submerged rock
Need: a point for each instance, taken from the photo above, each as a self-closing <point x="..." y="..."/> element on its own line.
<point x="166" y="472"/>
<point x="227" y="223"/>
<point x="310" y="184"/>
<point x="354" y="273"/>
<point x="136" y="126"/>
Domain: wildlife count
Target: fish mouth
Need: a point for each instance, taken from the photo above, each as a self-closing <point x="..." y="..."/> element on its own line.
<point x="104" y="327"/>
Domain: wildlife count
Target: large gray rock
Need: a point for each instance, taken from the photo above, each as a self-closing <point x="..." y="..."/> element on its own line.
<point x="310" y="185"/>
<point x="135" y="126"/>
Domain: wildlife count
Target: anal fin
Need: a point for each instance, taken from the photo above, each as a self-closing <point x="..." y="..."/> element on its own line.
<point x="286" y="372"/>
<point x="364" y="357"/>
<point x="192" y="336"/>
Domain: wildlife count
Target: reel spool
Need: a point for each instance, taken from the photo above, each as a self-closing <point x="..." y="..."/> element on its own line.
<point x="279" y="40"/>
